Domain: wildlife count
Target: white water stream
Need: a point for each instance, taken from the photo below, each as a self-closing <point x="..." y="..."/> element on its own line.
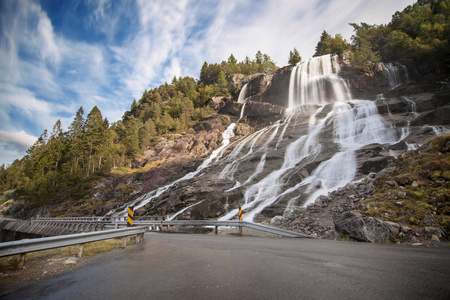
<point x="394" y="74"/>
<point x="337" y="126"/>
<point x="144" y="199"/>
<point x="355" y="123"/>
<point x="243" y="94"/>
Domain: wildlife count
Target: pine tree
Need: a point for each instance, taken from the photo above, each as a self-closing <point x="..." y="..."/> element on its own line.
<point x="131" y="139"/>
<point x="222" y="85"/>
<point x="259" y="57"/>
<point x="294" y="57"/>
<point x="166" y="121"/>
<point x="57" y="143"/>
<point x="94" y="138"/>
<point x="268" y="65"/>
<point x="133" y="105"/>
<point x="204" y="73"/>
<point x="75" y="140"/>
<point x="232" y="64"/>
<point x="331" y="45"/>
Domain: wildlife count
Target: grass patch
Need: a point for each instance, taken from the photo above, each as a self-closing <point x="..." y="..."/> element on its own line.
<point x="9" y="263"/>
<point x="421" y="195"/>
<point x="148" y="166"/>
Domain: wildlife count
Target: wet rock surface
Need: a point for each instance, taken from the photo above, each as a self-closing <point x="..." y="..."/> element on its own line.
<point x="412" y="113"/>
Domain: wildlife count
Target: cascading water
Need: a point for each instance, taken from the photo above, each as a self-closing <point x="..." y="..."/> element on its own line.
<point x="153" y="195"/>
<point x="243" y="94"/>
<point x="397" y="74"/>
<point x="227" y="135"/>
<point x="316" y="81"/>
<point x="355" y="124"/>
<point x="309" y="153"/>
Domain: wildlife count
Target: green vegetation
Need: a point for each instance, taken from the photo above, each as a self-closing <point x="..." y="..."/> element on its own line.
<point x="65" y="165"/>
<point x="417" y="36"/>
<point x="330" y="45"/>
<point x="294" y="57"/>
<point x="421" y="192"/>
<point x="214" y="74"/>
<point x="9" y="263"/>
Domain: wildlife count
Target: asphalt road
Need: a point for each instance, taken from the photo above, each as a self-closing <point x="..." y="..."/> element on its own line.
<point x="177" y="266"/>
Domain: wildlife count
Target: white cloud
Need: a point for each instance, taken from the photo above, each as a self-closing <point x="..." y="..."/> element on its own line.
<point x="279" y="26"/>
<point x="174" y="69"/>
<point x="14" y="145"/>
<point x="162" y="34"/>
<point x="49" y="47"/>
<point x="19" y="140"/>
<point x="25" y="104"/>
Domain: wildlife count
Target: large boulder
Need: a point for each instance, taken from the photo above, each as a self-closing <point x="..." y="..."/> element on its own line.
<point x="365" y="229"/>
<point x="231" y="108"/>
<point x="440" y="116"/>
<point x="262" y="109"/>
<point x="258" y="85"/>
<point x="372" y="158"/>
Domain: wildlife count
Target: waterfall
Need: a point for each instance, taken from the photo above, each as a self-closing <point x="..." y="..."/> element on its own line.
<point x="242" y="111"/>
<point x="397" y="74"/>
<point x="316" y="82"/>
<point x="265" y="192"/>
<point x="183" y="210"/>
<point x="243" y="94"/>
<point x="311" y="152"/>
<point x="355" y="124"/>
<point x="242" y="99"/>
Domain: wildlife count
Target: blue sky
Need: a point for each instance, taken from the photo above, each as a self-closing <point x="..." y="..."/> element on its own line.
<point x="56" y="56"/>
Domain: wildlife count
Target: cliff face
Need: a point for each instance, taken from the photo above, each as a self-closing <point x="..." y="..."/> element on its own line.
<point x="271" y="180"/>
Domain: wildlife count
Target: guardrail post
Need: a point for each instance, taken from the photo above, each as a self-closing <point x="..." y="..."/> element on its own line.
<point x="124" y="241"/>
<point x="216" y="229"/>
<point x="80" y="250"/>
<point x="139" y="238"/>
<point x="21" y="260"/>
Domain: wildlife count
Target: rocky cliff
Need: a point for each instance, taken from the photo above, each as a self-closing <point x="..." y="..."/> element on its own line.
<point x="248" y="173"/>
<point x="308" y="168"/>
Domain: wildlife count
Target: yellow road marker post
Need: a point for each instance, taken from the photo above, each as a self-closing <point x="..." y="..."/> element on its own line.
<point x="130" y="217"/>
<point x="240" y="219"/>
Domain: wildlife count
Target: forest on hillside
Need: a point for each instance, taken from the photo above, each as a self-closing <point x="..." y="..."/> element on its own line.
<point x="93" y="147"/>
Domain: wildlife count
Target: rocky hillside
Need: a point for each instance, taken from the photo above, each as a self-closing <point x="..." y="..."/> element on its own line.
<point x="409" y="201"/>
<point x="412" y="112"/>
<point x="167" y="160"/>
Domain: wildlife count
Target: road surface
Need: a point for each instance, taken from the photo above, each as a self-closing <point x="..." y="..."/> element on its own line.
<point x="185" y="266"/>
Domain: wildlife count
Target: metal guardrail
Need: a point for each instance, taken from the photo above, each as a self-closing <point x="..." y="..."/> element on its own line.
<point x="114" y="222"/>
<point x="215" y="223"/>
<point x="39" y="244"/>
<point x="96" y="219"/>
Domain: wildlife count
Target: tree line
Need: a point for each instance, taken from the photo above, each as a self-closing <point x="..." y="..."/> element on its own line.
<point x="417" y="36"/>
<point x="92" y="147"/>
